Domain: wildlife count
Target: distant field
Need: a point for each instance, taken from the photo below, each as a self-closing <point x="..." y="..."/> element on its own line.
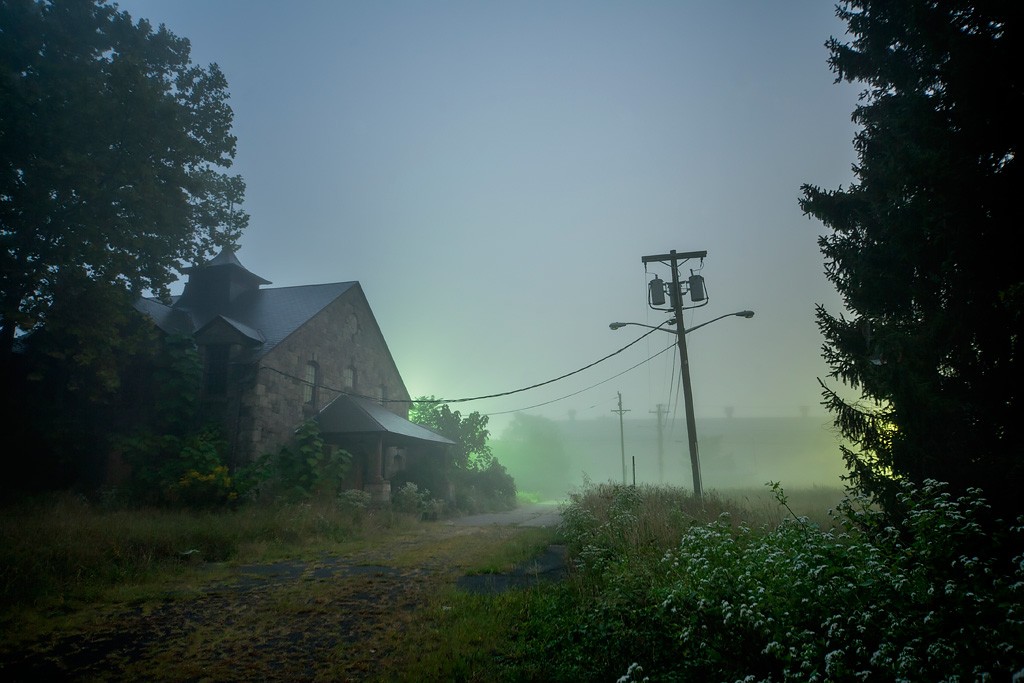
<point x="735" y="453"/>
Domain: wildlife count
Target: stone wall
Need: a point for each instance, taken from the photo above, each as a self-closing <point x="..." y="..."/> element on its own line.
<point x="350" y="354"/>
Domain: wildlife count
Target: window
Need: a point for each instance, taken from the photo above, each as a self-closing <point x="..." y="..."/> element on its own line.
<point x="350" y="377"/>
<point x="383" y="394"/>
<point x="217" y="356"/>
<point x="312" y="383"/>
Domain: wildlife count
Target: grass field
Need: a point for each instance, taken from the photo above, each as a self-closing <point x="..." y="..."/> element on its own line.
<point x="330" y="591"/>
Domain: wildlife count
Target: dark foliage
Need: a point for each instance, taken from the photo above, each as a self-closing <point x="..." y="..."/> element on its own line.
<point x="111" y="145"/>
<point x="919" y="248"/>
<point x="792" y="602"/>
<point x="478" y="480"/>
<point x="78" y="386"/>
<point x="305" y="469"/>
<point x="174" y="455"/>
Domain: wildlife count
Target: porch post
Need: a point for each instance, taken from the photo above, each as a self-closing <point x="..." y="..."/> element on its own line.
<point x="376" y="485"/>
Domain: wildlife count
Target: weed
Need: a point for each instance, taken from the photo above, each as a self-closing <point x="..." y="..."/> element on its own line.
<point x="670" y="588"/>
<point x="66" y="548"/>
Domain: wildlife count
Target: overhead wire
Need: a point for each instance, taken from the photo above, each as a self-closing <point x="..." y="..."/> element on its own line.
<point x="474" y="398"/>
<point x="576" y="393"/>
<point x="539" y="384"/>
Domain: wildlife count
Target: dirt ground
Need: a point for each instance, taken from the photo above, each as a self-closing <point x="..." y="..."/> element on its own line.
<point x="329" y="619"/>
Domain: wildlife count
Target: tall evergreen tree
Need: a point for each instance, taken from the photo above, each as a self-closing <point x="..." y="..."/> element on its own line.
<point x="920" y="247"/>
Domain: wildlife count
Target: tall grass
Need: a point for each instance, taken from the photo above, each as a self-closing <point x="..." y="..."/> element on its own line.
<point x="66" y="548"/>
<point x="669" y="588"/>
<point x="634" y="525"/>
<point x="565" y="632"/>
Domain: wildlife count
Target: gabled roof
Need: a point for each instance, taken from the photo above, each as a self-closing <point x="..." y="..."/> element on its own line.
<point x="356" y="416"/>
<point x="224" y="290"/>
<point x="280" y="311"/>
<point x="251" y="336"/>
<point x="272" y="314"/>
<point x="167" y="318"/>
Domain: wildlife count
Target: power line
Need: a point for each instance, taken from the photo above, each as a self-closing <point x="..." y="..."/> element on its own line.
<point x="477" y="398"/>
<point x="604" y="381"/>
<point x="540" y="384"/>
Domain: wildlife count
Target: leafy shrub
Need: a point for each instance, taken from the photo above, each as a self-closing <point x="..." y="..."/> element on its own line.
<point x="411" y="499"/>
<point x="178" y="470"/>
<point x="408" y="498"/>
<point x="484" y="488"/>
<point x="478" y="481"/>
<point x="930" y="600"/>
<point x="197" y="489"/>
<point x="306" y="469"/>
<point x="354" y="500"/>
<point x="354" y="503"/>
<point x="174" y="458"/>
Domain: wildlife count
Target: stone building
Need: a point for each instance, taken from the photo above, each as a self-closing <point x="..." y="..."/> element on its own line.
<point x="275" y="357"/>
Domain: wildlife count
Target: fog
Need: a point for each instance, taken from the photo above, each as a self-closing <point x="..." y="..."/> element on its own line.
<point x="492" y="174"/>
<point x="549" y="458"/>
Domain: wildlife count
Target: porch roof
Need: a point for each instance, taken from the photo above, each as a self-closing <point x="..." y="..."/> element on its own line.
<point x="357" y="416"/>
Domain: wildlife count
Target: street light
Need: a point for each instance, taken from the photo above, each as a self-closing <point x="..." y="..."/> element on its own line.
<point x="672" y="321"/>
<point x="691" y="427"/>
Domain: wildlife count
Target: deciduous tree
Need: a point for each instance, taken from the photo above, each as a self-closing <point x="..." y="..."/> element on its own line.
<point x="478" y="480"/>
<point x="920" y="247"/>
<point x="112" y="151"/>
<point x="469" y="432"/>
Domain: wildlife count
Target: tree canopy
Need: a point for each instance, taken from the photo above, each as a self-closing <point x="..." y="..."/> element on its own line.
<point x="919" y="247"/>
<point x="472" y="475"/>
<point x="469" y="432"/>
<point x="113" y="146"/>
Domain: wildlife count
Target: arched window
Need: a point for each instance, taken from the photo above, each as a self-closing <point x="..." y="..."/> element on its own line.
<point x="311" y="384"/>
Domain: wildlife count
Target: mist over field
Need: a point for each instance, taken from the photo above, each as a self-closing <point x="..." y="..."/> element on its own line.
<point x="549" y="457"/>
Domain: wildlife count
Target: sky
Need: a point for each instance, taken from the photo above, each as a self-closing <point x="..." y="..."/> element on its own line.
<point x="492" y="173"/>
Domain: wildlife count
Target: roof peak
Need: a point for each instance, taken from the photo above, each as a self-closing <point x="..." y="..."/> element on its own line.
<point x="227" y="258"/>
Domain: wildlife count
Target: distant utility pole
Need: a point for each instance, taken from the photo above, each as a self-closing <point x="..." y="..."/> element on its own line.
<point x="662" y="411"/>
<point x="696" y="287"/>
<point x="622" y="437"/>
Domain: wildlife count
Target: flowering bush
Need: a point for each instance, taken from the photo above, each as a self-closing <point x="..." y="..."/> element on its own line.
<point x="411" y="499"/>
<point x="197" y="489"/>
<point x="180" y="470"/>
<point x="931" y="599"/>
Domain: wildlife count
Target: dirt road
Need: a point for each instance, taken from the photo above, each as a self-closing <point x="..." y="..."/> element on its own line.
<point x="535" y="515"/>
<point x="333" y="618"/>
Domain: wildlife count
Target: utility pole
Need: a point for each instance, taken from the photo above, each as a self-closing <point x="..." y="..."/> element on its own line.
<point x="622" y="437"/>
<point x="676" y="295"/>
<point x="661" y="412"/>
